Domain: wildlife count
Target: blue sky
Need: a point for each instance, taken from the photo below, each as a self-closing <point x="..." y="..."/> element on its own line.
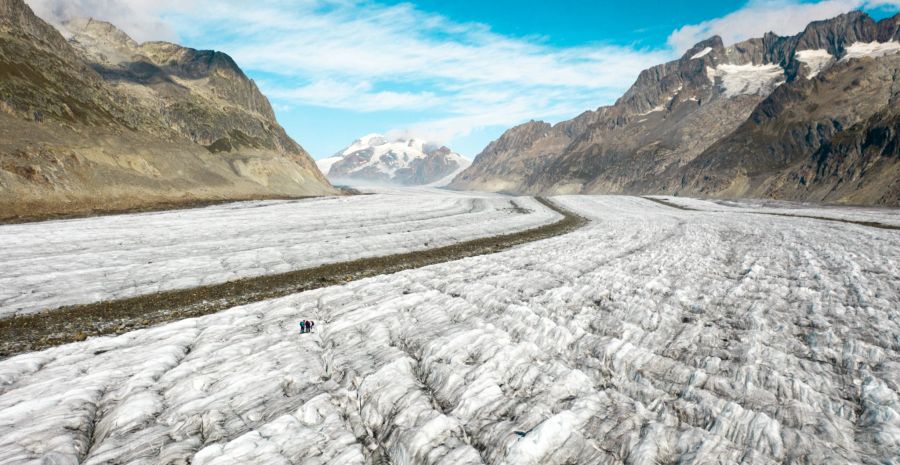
<point x="458" y="72"/>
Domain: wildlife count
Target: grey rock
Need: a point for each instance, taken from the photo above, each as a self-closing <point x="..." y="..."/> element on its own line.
<point x="707" y="123"/>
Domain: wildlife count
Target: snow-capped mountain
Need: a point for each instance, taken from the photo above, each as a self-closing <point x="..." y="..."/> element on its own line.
<point x="410" y="162"/>
<point x="806" y="117"/>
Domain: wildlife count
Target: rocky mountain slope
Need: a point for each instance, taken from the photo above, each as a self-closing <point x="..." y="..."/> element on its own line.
<point x="811" y="117"/>
<point x="95" y="121"/>
<point x="409" y="162"/>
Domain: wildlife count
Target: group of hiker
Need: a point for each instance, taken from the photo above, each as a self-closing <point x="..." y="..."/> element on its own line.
<point x="306" y="326"/>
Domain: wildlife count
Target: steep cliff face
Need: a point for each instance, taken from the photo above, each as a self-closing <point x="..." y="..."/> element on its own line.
<point x="99" y="122"/>
<point x="518" y="152"/>
<point x="686" y="126"/>
<point x="806" y="123"/>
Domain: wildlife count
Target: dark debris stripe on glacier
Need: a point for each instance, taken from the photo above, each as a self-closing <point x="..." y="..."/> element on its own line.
<point x="651" y="336"/>
<point x="44" y="266"/>
<point x="75" y="323"/>
<point x="873" y="217"/>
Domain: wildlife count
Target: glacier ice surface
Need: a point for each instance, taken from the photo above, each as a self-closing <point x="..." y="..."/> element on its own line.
<point x="51" y="264"/>
<point x="653" y="335"/>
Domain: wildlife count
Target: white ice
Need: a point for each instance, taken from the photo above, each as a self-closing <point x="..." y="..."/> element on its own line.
<point x="325" y="164"/>
<point x="815" y="60"/>
<point x="747" y="79"/>
<point x="51" y="264"/>
<point x="388" y="156"/>
<point x="871" y="49"/>
<point x="702" y="53"/>
<point x="653" y="335"/>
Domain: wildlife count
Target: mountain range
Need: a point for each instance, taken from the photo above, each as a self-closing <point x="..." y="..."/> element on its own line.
<point x="813" y="116"/>
<point x="374" y="159"/>
<point x="91" y="120"/>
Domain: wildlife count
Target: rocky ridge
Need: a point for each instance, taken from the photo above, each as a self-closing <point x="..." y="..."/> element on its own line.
<point x="92" y="120"/>
<point x="712" y="124"/>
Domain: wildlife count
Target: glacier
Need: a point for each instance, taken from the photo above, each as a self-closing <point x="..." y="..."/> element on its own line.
<point x="882" y="215"/>
<point x="47" y="265"/>
<point x="652" y="335"/>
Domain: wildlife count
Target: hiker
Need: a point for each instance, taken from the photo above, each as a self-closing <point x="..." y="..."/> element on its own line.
<point x="309" y="325"/>
<point x="302" y="326"/>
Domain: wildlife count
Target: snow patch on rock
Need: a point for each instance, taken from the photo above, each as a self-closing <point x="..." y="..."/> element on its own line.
<point x="702" y="53"/>
<point x="815" y="60"/>
<point x="871" y="49"/>
<point x="748" y="79"/>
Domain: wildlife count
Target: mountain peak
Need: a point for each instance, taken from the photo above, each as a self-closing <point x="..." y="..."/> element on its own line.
<point x="372" y="139"/>
<point x="99" y="30"/>
<point x="15" y="15"/>
<point x="166" y="138"/>
<point x="712" y="97"/>
<point x="374" y="158"/>
<point x="704" y="47"/>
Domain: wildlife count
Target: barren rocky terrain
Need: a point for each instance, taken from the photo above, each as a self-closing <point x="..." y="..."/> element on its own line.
<point x="93" y="121"/>
<point x="807" y="117"/>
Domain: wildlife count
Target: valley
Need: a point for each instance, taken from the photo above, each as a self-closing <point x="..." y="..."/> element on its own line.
<point x="677" y="242"/>
<point x="651" y="335"/>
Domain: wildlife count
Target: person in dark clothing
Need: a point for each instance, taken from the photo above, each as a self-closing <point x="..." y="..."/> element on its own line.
<point x="309" y="325"/>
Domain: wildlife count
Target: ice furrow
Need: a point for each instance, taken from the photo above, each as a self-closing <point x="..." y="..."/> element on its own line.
<point x="59" y="263"/>
<point x="653" y="335"/>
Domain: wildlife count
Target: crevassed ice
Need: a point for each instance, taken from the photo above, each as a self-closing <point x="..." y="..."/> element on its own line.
<point x="883" y="215"/>
<point x="653" y="335"/>
<point x="748" y="79"/>
<point x="815" y="60"/>
<point x="52" y="264"/>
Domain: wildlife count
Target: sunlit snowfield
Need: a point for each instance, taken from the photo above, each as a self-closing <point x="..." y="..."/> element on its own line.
<point x="48" y="265"/>
<point x="653" y="335"/>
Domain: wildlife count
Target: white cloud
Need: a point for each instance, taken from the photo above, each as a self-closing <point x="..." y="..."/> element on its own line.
<point x="892" y="5"/>
<point x="139" y="18"/>
<point x="366" y="57"/>
<point x="358" y="54"/>
<point x="361" y="56"/>
<point x="783" y="17"/>
<point x="358" y="96"/>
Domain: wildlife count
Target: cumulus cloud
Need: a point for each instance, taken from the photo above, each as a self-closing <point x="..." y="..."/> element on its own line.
<point x="366" y="57"/>
<point x="359" y="96"/>
<point x="362" y="56"/>
<point x="139" y="18"/>
<point x="783" y="17"/>
<point x="463" y="74"/>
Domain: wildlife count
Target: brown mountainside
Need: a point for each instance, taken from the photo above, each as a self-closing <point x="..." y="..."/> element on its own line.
<point x="99" y="122"/>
